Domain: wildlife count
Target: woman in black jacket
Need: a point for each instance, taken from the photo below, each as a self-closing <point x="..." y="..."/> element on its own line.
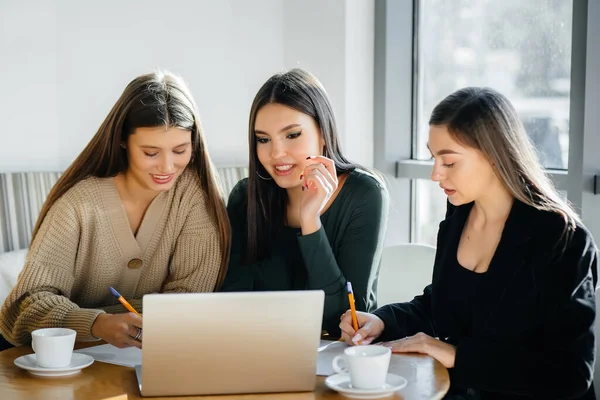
<point x="511" y="308"/>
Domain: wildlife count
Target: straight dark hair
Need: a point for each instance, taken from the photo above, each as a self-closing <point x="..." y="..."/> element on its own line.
<point x="267" y="202"/>
<point x="151" y="100"/>
<point x="484" y="119"/>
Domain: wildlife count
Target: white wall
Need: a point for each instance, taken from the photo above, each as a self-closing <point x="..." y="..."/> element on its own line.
<point x="334" y="39"/>
<point x="316" y="41"/>
<point x="71" y="62"/>
<point x="65" y="62"/>
<point x="359" y="79"/>
<point x="29" y="137"/>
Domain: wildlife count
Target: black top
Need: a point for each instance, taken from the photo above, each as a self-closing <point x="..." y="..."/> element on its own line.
<point x="347" y="247"/>
<point x="525" y="328"/>
<point x="463" y="304"/>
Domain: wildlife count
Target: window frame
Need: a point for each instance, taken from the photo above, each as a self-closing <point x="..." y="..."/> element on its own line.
<point x="395" y="91"/>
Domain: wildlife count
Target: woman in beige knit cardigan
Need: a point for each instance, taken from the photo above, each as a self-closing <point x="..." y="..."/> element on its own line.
<point x="139" y="210"/>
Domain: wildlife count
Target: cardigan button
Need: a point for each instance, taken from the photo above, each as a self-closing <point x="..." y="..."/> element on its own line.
<point x="136" y="263"/>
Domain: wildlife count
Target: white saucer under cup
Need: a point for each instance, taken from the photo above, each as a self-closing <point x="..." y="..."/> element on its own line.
<point x="53" y="347"/>
<point x="341" y="384"/>
<point x="29" y="363"/>
<point x="366" y="365"/>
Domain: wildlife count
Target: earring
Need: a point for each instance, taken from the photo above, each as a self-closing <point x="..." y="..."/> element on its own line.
<point x="262" y="177"/>
<point x="123" y="145"/>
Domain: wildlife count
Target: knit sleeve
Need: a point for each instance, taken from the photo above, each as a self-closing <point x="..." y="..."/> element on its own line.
<point x="41" y="297"/>
<point x="197" y="257"/>
<point x="137" y="304"/>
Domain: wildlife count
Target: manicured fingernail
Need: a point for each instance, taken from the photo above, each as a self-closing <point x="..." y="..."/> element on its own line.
<point x="303" y="188"/>
<point x="357" y="338"/>
<point x="310" y="157"/>
<point x="301" y="176"/>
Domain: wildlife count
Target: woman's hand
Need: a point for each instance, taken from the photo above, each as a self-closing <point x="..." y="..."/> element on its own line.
<point x="319" y="181"/>
<point x="421" y="343"/>
<point x="370" y="328"/>
<point x="120" y="330"/>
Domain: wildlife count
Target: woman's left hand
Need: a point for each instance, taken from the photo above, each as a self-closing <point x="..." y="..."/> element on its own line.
<point x="421" y="343"/>
<point x="319" y="180"/>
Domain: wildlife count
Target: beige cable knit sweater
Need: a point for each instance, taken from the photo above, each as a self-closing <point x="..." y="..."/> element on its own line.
<point x="85" y="245"/>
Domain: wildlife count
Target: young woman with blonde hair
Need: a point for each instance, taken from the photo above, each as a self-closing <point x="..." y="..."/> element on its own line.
<point x="139" y="210"/>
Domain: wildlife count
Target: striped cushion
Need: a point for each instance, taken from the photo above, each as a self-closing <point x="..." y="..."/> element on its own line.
<point x="22" y="195"/>
<point x="229" y="176"/>
<point x="21" y="198"/>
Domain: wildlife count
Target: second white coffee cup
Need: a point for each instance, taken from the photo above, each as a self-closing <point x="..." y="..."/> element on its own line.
<point x="366" y="365"/>
<point x="53" y="347"/>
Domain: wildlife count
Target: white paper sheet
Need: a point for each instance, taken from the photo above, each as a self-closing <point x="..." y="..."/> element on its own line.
<point x="327" y="352"/>
<point x="129" y="357"/>
<point x="132" y="356"/>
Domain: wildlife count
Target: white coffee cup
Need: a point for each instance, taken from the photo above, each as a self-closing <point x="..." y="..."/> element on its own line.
<point x="53" y="347"/>
<point x="367" y="365"/>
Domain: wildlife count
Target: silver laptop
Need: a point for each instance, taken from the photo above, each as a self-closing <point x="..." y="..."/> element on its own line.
<point x="220" y="343"/>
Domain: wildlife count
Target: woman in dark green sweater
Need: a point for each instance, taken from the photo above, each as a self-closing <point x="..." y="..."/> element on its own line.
<point x="306" y="218"/>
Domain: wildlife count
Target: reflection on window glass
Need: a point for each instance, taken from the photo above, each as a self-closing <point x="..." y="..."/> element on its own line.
<point x="430" y="209"/>
<point x="521" y="48"/>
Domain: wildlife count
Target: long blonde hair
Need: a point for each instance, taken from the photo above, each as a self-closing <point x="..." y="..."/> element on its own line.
<point x="150" y="100"/>
<point x="484" y="119"/>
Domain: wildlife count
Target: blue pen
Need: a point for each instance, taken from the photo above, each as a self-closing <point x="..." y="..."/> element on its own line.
<point x="123" y="301"/>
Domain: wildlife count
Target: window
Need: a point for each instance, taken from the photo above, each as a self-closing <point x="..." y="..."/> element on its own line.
<point x="520" y="48"/>
<point x="429" y="210"/>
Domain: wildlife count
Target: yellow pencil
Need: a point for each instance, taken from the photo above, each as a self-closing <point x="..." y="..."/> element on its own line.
<point x="123" y="301"/>
<point x="352" y="308"/>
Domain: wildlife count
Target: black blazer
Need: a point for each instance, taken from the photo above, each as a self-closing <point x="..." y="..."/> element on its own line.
<point x="534" y="333"/>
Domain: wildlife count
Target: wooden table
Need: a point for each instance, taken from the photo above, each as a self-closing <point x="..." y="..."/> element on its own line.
<point x="427" y="379"/>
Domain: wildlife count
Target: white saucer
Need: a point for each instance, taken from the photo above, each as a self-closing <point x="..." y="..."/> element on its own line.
<point x="341" y="383"/>
<point x="78" y="362"/>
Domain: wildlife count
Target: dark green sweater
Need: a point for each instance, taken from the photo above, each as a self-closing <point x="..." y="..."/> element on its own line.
<point x="346" y="248"/>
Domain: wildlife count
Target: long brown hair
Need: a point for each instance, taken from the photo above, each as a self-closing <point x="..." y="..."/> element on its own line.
<point x="484" y="119"/>
<point x="150" y="100"/>
<point x="267" y="202"/>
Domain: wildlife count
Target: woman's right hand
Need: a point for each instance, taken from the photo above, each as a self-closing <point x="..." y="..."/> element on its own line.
<point x="118" y="329"/>
<point x="370" y="328"/>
